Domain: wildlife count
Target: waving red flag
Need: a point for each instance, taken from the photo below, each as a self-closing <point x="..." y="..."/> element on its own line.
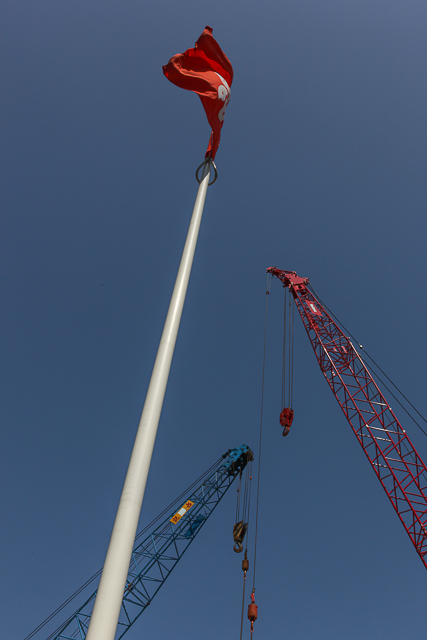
<point x="207" y="71"/>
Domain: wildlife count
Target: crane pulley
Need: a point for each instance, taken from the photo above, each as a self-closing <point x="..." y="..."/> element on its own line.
<point x="396" y="463"/>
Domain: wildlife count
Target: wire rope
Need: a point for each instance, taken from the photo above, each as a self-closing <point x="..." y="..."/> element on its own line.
<point x="239" y="487"/>
<point x="247" y="501"/>
<point x="404" y="443"/>
<point x="284" y="352"/>
<point x="289" y="348"/>
<point x="260" y="433"/>
<point x="379" y="368"/>
<point x="292" y="353"/>
<point x="243" y="606"/>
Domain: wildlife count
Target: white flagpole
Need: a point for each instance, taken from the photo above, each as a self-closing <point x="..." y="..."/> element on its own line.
<point x="106" y="610"/>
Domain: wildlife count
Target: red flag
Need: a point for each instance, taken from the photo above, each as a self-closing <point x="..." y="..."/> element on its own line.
<point x="207" y="71"/>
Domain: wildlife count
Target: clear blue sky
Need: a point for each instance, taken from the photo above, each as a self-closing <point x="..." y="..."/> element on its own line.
<point x="322" y="169"/>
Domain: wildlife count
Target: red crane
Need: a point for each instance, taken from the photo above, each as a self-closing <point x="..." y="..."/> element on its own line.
<point x="392" y="455"/>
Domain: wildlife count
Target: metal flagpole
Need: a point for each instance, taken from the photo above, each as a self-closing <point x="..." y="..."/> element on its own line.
<point x="106" y="610"/>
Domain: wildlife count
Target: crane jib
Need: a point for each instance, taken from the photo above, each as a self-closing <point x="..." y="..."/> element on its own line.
<point x="157" y="555"/>
<point x="390" y="452"/>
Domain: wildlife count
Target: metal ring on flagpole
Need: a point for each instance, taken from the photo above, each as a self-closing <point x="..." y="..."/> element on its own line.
<point x="202" y="165"/>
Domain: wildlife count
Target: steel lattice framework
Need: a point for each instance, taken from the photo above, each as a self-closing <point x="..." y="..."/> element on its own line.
<point x="393" y="457"/>
<point x="158" y="554"/>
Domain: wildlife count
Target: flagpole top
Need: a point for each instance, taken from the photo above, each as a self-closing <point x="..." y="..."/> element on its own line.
<point x="213" y="165"/>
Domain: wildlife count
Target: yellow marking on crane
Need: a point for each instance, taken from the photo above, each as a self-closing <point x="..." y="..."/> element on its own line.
<point x="178" y="515"/>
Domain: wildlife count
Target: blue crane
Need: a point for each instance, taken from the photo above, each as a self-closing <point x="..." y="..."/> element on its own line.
<point x="157" y="555"/>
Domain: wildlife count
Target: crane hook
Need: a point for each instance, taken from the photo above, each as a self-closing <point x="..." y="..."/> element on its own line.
<point x="239" y="532"/>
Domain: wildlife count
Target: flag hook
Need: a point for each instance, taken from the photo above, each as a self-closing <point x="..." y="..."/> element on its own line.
<point x="202" y="165"/>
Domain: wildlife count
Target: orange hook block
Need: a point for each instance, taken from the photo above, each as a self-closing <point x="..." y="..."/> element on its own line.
<point x="252" y="611"/>
<point x="245" y="563"/>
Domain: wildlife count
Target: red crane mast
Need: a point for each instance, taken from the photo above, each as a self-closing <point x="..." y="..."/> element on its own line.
<point x="391" y="454"/>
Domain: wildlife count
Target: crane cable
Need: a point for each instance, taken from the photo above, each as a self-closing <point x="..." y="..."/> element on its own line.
<point x="292" y="352"/>
<point x="241" y="526"/>
<point x="285" y="306"/>
<point x="288" y="351"/>
<point x="243" y="605"/>
<point x="286" y="410"/>
<point x="379" y="368"/>
<point x="424" y="475"/>
<point x="245" y="562"/>
<point x="252" y="606"/>
<point x="260" y="431"/>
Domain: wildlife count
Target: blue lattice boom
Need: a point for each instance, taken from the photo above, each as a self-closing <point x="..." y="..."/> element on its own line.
<point x="158" y="554"/>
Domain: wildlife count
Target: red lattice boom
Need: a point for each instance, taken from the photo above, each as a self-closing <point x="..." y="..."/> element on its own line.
<point x="393" y="457"/>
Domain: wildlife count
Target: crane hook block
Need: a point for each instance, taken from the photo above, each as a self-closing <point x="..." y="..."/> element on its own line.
<point x="245" y="562"/>
<point x="252" y="611"/>
<point x="286" y="418"/>
<point x="239" y="532"/>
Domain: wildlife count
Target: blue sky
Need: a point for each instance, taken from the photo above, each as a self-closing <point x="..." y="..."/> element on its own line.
<point x="322" y="170"/>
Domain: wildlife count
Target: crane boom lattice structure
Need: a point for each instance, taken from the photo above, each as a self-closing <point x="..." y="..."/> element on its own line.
<point x="393" y="457"/>
<point x="158" y="554"/>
